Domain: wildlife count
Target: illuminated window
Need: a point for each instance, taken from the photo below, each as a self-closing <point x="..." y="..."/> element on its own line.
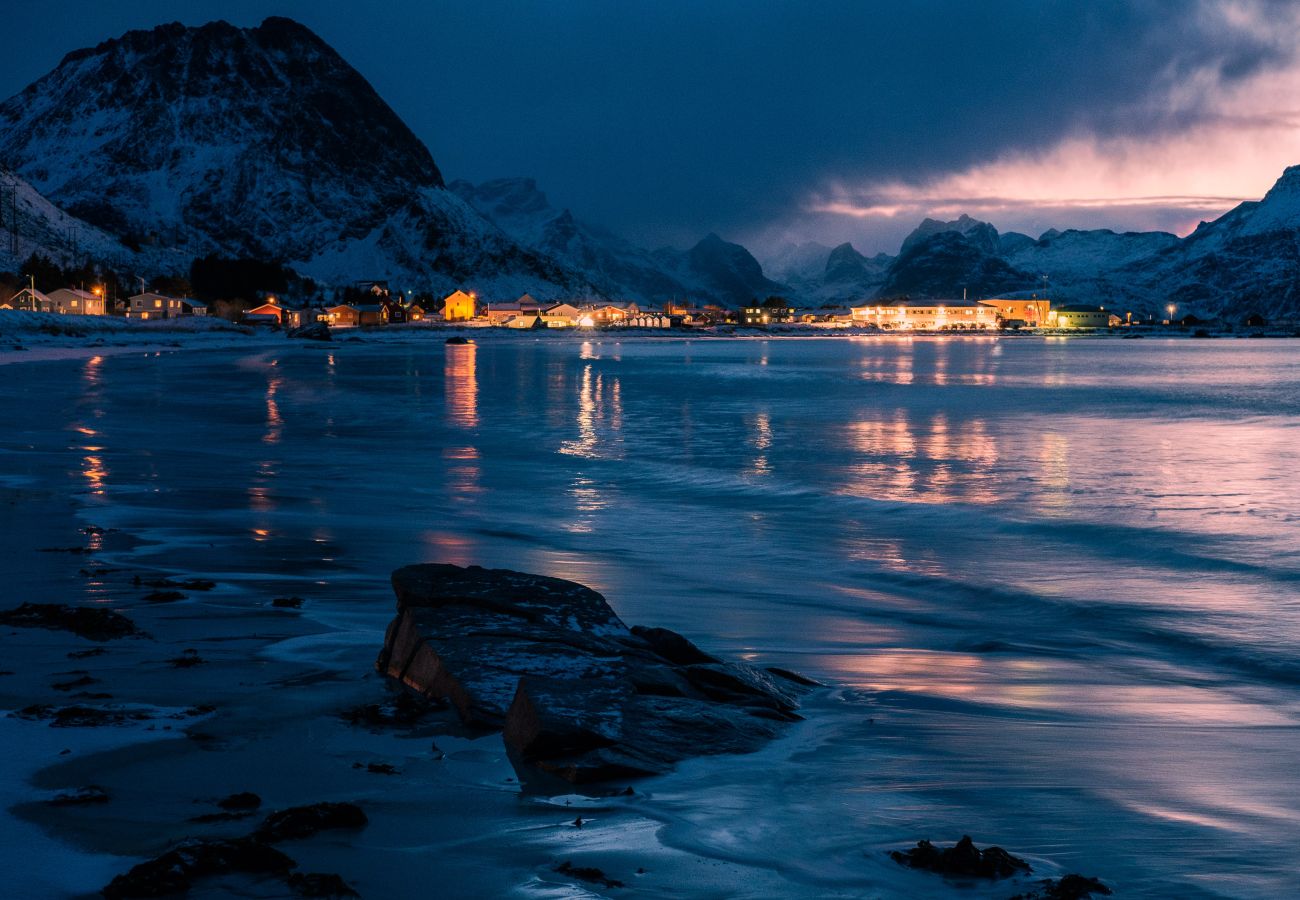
<point x="157" y="304"/>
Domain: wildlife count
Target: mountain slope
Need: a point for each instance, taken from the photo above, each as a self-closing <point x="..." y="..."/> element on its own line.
<point x="613" y="265"/>
<point x="713" y="271"/>
<point x="30" y="223"/>
<point x="258" y="141"/>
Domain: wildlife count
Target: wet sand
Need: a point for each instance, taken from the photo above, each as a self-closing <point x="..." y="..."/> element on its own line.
<point x="453" y="817"/>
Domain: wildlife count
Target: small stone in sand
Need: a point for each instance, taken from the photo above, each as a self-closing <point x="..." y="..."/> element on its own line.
<point x="242" y="800"/>
<point x="187" y="584"/>
<point x="175" y="871"/>
<point x="93" y="623"/>
<point x="79" y="716"/>
<point x="163" y="597"/>
<point x="304" y="821"/>
<point x="587" y="873"/>
<point x="963" y="859"/>
<point x="75" y="683"/>
<point x="189" y="657"/>
<point x="320" y="884"/>
<point x="287" y="602"/>
<point x="83" y="796"/>
<point x="1068" y="887"/>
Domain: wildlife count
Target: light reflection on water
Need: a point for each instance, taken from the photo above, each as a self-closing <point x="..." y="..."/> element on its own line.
<point x="1012" y="543"/>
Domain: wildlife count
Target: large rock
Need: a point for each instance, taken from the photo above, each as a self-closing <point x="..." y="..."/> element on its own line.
<point x="574" y="691"/>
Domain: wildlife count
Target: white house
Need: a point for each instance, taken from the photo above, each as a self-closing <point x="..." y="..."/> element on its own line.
<point x="75" y="302"/>
<point x="159" y="306"/>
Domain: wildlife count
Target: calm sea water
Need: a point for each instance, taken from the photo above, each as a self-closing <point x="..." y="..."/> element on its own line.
<point x="1055" y="583"/>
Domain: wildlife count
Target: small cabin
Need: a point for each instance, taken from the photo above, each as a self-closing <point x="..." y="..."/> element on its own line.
<point x="29" y="300"/>
<point x="75" y="302"/>
<point x="344" y="315"/>
<point x="459" y="307"/>
<point x="150" y="305"/>
<point x="267" y="313"/>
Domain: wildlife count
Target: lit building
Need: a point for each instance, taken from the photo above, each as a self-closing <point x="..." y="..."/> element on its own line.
<point x="762" y="314"/>
<point x="459" y="307"/>
<point x="159" y="306"/>
<point x="1079" y="317"/>
<point x="1031" y="313"/>
<point x="74" y="302"/>
<point x="29" y="299"/>
<point x="927" y="315"/>
<point x="269" y="313"/>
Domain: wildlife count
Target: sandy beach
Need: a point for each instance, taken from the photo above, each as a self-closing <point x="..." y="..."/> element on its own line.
<point x="279" y="469"/>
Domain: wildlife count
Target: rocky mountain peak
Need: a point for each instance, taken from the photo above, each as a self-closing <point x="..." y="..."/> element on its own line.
<point x="259" y="142"/>
<point x="981" y="234"/>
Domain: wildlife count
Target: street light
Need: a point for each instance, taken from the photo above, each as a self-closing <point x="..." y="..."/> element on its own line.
<point x="1171" y="307"/>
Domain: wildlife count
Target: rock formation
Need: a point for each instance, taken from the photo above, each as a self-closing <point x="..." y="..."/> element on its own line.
<point x="575" y="692"/>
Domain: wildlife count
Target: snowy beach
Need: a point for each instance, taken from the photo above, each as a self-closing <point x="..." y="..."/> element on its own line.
<point x="996" y="554"/>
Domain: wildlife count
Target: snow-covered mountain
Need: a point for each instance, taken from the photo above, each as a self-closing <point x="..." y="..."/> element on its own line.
<point x="256" y="142"/>
<point x="29" y="223"/>
<point x="613" y="265"/>
<point x="1247" y="260"/>
<point x="981" y="235"/>
<point x="713" y="271"/>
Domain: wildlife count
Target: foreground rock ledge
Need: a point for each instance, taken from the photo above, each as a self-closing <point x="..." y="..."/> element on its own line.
<point x="574" y="691"/>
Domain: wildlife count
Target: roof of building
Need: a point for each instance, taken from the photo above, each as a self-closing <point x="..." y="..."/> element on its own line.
<point x="1080" y="308"/>
<point x="922" y="304"/>
<point x="76" y="292"/>
<point x="41" y="298"/>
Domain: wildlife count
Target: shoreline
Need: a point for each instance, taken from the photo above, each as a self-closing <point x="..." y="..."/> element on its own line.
<point x="280" y="683"/>
<point x="49" y="337"/>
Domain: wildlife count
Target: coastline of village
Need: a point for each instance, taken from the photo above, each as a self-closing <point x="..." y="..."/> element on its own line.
<point x="70" y="322"/>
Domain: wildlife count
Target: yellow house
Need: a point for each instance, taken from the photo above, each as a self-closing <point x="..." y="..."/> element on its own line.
<point x="458" y="307"/>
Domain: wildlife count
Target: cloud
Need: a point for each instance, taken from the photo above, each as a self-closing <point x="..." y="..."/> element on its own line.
<point x="1207" y="136"/>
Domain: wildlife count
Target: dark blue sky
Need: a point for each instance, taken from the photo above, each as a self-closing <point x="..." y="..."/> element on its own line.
<point x="832" y="120"/>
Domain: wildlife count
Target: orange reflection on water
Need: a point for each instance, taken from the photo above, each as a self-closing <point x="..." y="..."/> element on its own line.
<point x="587" y="502"/>
<point x="94" y="470"/>
<point x="918" y="671"/>
<point x="274" y="420"/>
<point x="584" y="568"/>
<point x="460" y="378"/>
<point x="463" y="473"/>
<point x="451" y="547"/>
<point x="961" y="462"/>
<point x="1054" y="482"/>
<point x="600" y="408"/>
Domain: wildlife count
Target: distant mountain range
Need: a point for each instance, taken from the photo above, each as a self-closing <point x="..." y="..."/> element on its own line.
<point x="160" y="146"/>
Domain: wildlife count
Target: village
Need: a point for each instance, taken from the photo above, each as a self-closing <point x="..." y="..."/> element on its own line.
<point x="379" y="306"/>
